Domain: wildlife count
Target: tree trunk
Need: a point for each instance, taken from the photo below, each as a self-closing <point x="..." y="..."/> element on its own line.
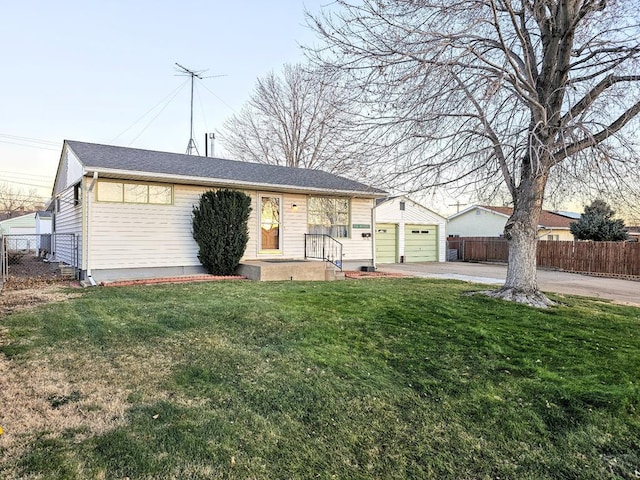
<point x="521" y="232"/>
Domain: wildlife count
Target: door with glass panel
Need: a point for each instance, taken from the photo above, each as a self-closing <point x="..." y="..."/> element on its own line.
<point x="270" y="228"/>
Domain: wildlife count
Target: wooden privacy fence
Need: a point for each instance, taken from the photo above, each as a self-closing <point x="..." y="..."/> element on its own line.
<point x="612" y="258"/>
<point x="607" y="258"/>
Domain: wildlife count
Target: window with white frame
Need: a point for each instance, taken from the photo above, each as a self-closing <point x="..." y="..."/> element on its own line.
<point x="329" y="216"/>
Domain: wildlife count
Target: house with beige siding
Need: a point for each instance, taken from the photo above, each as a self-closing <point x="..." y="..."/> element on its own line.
<point x="130" y="211"/>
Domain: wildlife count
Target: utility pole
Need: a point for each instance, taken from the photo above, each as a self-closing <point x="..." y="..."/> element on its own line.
<point x="191" y="146"/>
<point x="457" y="205"/>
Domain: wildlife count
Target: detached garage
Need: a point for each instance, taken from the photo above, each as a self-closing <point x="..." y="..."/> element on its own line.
<point x="405" y="231"/>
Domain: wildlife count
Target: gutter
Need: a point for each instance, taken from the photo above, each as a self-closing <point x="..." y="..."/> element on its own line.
<point x="90" y="188"/>
<point x="226" y="183"/>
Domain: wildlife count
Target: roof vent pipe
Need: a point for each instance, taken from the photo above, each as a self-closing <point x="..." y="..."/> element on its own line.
<point x="209" y="144"/>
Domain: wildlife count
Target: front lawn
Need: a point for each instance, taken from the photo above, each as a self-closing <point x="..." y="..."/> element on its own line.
<point x="370" y="379"/>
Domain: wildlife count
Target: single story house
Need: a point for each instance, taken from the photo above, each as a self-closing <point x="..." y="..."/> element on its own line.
<point x="489" y="221"/>
<point x="130" y="211"/>
<point x="23" y="224"/>
<point x="405" y="231"/>
<point x="20" y="232"/>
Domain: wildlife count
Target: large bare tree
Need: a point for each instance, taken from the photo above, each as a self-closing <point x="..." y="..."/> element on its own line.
<point x="15" y="201"/>
<point x="295" y="119"/>
<point x="493" y="94"/>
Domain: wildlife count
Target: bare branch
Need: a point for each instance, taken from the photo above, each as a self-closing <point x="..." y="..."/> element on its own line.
<point x="599" y="137"/>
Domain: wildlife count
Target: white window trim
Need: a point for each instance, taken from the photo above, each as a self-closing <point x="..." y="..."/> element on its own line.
<point x="271" y="251"/>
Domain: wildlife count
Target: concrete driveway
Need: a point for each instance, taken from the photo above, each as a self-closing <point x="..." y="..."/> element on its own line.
<point x="620" y="291"/>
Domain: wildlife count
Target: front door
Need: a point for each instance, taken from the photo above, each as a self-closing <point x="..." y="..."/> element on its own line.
<point x="270" y="231"/>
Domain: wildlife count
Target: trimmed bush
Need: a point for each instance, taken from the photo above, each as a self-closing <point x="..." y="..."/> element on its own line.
<point x="220" y="229"/>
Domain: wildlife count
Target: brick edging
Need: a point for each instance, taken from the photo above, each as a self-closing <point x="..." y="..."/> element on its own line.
<point x="187" y="279"/>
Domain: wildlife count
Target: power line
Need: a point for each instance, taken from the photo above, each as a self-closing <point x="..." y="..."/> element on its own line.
<point x="26" y="174"/>
<point x="30" y="146"/>
<point x="158" y="114"/>
<point x="221" y="100"/>
<point x="24" y="182"/>
<point x="27" y="184"/>
<point x="29" y="139"/>
<point x="172" y="94"/>
<point x="33" y="182"/>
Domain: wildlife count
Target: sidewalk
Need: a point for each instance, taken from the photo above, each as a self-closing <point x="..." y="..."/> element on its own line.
<point x="620" y="291"/>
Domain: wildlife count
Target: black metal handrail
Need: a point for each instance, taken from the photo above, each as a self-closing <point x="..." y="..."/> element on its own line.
<point x="323" y="247"/>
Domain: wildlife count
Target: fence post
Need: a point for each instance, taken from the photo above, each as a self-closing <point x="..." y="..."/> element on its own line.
<point x="3" y="260"/>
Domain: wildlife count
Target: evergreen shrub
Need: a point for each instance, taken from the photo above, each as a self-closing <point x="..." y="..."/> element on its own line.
<point x="220" y="228"/>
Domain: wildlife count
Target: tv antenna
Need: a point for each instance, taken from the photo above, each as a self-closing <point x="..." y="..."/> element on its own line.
<point x="191" y="146"/>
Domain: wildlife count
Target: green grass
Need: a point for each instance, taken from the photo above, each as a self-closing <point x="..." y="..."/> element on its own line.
<point x="401" y="378"/>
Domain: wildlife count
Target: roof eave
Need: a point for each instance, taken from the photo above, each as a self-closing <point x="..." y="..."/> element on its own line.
<point x="221" y="182"/>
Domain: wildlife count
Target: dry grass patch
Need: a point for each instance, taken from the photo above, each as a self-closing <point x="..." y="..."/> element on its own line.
<point x="14" y="297"/>
<point x="78" y="393"/>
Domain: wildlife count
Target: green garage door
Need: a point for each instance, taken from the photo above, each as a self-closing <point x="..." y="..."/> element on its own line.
<point x="386" y="242"/>
<point x="421" y="243"/>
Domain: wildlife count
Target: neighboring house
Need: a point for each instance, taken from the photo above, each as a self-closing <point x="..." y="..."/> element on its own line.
<point x="634" y="233"/>
<point x="43" y="232"/>
<point x="131" y="210"/>
<point x="488" y="221"/>
<point x="405" y="231"/>
<point x="43" y="223"/>
<point x="20" y="232"/>
<point x="24" y="224"/>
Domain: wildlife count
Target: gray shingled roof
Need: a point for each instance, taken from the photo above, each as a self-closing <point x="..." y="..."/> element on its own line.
<point x="95" y="157"/>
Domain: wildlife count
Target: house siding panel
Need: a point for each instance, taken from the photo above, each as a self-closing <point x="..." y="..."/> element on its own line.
<point x="482" y="222"/>
<point x="70" y="171"/>
<point x="357" y="247"/>
<point x="68" y="228"/>
<point x="143" y="236"/>
<point x="128" y="235"/>
<point x="470" y="224"/>
<point x="294" y="225"/>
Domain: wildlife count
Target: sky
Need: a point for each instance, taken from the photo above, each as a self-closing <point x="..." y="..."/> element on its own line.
<point x="105" y="72"/>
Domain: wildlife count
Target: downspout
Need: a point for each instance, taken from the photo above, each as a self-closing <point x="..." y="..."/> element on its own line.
<point x="373" y="235"/>
<point x="92" y="185"/>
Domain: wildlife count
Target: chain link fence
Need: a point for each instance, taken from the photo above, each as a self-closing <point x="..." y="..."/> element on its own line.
<point x="37" y="255"/>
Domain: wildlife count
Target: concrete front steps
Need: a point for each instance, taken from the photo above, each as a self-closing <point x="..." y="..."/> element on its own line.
<point x="282" y="269"/>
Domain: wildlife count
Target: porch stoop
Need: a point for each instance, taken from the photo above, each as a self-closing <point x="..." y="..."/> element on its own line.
<point x="332" y="273"/>
<point x="299" y="270"/>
